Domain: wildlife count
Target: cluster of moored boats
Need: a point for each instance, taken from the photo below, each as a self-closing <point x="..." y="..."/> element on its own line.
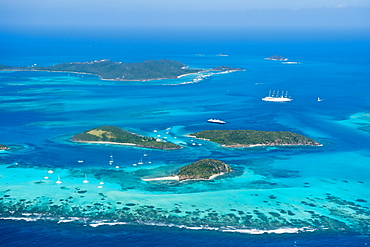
<point x="86" y="181"/>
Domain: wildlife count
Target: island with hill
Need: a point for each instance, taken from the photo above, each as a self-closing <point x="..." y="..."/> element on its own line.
<point x="277" y="58"/>
<point x="252" y="138"/>
<point x="2" y="147"/>
<point x="118" y="71"/>
<point x="115" y="135"/>
<point x="204" y="169"/>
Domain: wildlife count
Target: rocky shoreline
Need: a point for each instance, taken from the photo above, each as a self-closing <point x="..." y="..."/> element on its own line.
<point x="270" y="145"/>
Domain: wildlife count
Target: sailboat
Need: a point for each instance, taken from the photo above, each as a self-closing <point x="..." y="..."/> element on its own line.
<point x="58" y="182"/>
<point x="85" y="181"/>
<point x="46" y="177"/>
<point x="140" y="161"/>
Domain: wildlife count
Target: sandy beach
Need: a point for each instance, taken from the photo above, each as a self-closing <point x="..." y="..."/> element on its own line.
<point x="162" y="178"/>
<point x="114" y="143"/>
<point x="178" y="178"/>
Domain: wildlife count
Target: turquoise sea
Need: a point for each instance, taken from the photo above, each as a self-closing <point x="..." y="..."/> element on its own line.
<point x="276" y="196"/>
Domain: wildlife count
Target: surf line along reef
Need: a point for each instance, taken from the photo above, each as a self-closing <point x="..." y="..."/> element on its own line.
<point x="118" y="71"/>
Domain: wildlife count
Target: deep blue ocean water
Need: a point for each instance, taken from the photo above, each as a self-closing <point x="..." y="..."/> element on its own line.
<point x="39" y="111"/>
<point x="43" y="233"/>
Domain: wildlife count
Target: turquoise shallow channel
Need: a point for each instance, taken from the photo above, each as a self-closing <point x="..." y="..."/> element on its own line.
<point x="46" y="176"/>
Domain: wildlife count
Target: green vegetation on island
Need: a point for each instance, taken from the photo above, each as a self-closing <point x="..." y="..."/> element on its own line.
<point x="108" y="70"/>
<point x="248" y="138"/>
<point x="2" y="147"/>
<point x="203" y="169"/>
<point x="225" y="68"/>
<point x="115" y="135"/>
<point x="277" y="58"/>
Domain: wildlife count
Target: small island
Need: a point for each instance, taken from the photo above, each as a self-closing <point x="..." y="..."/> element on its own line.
<point x="204" y="169"/>
<point x="253" y="138"/>
<point x="115" y="135"/>
<point x="2" y="147"/>
<point x="277" y="58"/>
<point x="225" y="68"/>
<point x="118" y="71"/>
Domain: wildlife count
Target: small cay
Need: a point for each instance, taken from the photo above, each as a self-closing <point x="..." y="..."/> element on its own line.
<point x="276" y="58"/>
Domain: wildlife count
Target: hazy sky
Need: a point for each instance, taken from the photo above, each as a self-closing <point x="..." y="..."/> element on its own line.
<point x="184" y="14"/>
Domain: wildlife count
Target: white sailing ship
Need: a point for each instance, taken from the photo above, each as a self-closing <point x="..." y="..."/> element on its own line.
<point x="276" y="97"/>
